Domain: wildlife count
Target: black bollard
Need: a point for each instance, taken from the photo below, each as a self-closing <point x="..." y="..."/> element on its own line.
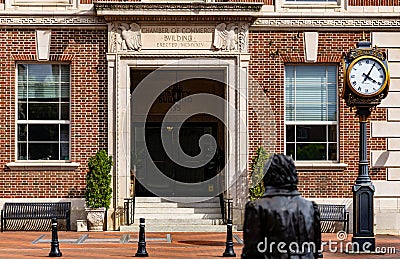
<point x="55" y="249"/>
<point x="141" y="251"/>
<point x="229" y="252"/>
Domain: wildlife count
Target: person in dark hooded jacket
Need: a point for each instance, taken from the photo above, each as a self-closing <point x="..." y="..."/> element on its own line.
<point x="282" y="224"/>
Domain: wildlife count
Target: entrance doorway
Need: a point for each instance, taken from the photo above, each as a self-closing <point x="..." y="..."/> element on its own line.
<point x="187" y="135"/>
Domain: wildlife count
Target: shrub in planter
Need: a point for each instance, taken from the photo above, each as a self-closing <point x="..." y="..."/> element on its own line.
<point x="257" y="188"/>
<point x="98" y="188"/>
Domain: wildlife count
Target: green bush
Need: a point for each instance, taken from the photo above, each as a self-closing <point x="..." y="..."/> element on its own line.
<point x="257" y="188"/>
<point x="98" y="181"/>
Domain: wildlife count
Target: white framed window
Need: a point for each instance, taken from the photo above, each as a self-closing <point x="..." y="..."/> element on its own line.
<point x="43" y="112"/>
<point x="309" y="5"/>
<point x="311" y="123"/>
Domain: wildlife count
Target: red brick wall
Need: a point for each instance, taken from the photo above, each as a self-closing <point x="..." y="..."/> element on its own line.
<point x="268" y="71"/>
<point x="374" y="2"/>
<point x="85" y="50"/>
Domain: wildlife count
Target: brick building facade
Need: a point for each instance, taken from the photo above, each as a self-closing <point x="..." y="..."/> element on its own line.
<point x="97" y="50"/>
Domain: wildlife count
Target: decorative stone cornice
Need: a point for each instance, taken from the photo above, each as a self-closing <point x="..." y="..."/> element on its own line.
<point x="188" y="9"/>
<point x="53" y="21"/>
<point x="326" y="23"/>
<point x="194" y="6"/>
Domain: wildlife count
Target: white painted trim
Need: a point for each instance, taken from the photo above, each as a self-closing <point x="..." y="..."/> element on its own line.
<point x="68" y="166"/>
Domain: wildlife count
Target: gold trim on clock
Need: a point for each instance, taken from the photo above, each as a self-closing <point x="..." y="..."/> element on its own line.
<point x="384" y="85"/>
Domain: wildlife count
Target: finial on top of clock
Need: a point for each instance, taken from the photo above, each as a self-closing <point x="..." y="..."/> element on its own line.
<point x="364" y="44"/>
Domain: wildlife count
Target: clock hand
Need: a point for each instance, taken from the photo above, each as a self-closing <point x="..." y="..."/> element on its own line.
<point x="369" y="72"/>
<point x="368" y="77"/>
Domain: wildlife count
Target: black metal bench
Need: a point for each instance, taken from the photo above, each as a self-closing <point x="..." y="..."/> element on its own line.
<point x="37" y="210"/>
<point x="335" y="213"/>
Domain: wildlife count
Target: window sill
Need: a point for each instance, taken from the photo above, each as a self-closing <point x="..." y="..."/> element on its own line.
<point x="310" y="5"/>
<point x="61" y="166"/>
<point x="315" y="166"/>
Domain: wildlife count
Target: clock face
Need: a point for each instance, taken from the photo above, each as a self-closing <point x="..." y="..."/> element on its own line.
<point x="367" y="76"/>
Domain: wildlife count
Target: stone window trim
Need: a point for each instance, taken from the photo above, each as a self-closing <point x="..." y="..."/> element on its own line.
<point x="320" y="166"/>
<point x="43" y="166"/>
<point x="27" y="4"/>
<point x="282" y="5"/>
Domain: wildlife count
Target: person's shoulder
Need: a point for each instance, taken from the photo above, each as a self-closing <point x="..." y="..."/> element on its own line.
<point x="256" y="204"/>
<point x="251" y="204"/>
<point x="305" y="202"/>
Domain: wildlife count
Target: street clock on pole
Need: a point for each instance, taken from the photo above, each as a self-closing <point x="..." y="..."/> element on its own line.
<point x="366" y="77"/>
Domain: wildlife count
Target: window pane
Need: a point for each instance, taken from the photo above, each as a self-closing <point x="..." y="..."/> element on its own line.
<point x="290" y="150"/>
<point x="22" y="151"/>
<point x="64" y="151"/>
<point x="289" y="92"/>
<point x="65" y="111"/>
<point x="43" y="111"/>
<point x="332" y="133"/>
<point x="65" y="92"/>
<point x="64" y="135"/>
<point x="46" y="132"/>
<point x="43" y="92"/>
<point x="332" y="152"/>
<point x="314" y="151"/>
<point x="65" y="78"/>
<point x="310" y="93"/>
<point x="22" y="90"/>
<point x="332" y="109"/>
<point x="22" y="70"/>
<point x="22" y="132"/>
<point x="22" y="107"/>
<point x="43" y="73"/>
<point x="43" y="151"/>
<point x="311" y="133"/>
<point x="290" y="133"/>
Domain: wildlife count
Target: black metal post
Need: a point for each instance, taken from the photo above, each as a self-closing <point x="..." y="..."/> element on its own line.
<point x="363" y="194"/>
<point x="55" y="249"/>
<point x="141" y="251"/>
<point x="229" y="252"/>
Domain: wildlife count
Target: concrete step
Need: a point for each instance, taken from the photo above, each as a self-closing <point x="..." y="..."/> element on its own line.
<point x="208" y="222"/>
<point x="199" y="205"/>
<point x="176" y="199"/>
<point x="177" y="216"/>
<point x="176" y="205"/>
<point x="162" y="210"/>
<point x="156" y="205"/>
<point x="176" y="228"/>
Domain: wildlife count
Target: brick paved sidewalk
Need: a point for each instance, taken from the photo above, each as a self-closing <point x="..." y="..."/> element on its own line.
<point x="159" y="245"/>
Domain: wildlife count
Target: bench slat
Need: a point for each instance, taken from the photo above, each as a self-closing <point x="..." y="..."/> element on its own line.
<point x="37" y="210"/>
<point x="333" y="212"/>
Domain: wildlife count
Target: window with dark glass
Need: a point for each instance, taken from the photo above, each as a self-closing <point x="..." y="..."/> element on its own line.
<point x="311" y="112"/>
<point x="43" y="123"/>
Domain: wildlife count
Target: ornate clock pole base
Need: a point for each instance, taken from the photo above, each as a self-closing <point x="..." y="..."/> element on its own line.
<point x="363" y="194"/>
